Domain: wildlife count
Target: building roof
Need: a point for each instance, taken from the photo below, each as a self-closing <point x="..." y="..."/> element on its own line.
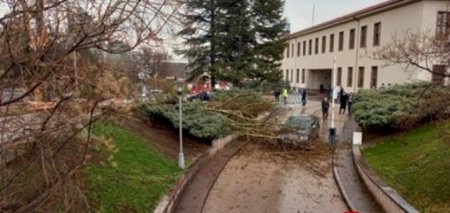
<point x="378" y="8"/>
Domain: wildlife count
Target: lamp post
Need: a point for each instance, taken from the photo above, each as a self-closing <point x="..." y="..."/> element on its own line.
<point x="180" y="118"/>
<point x="142" y="77"/>
<point x="332" y="135"/>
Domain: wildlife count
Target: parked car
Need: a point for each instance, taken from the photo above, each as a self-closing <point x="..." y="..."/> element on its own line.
<point x="299" y="131"/>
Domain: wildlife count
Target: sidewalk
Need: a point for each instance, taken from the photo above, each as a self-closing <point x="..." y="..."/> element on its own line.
<point x="196" y="191"/>
<point x="350" y="184"/>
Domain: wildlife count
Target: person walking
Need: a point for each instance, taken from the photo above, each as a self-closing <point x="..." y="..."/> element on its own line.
<point x="343" y="102"/>
<point x="304" y="97"/>
<point x="285" y="96"/>
<point x="325" y="106"/>
<point x="277" y="96"/>
<point x="341" y="93"/>
<point x="349" y="104"/>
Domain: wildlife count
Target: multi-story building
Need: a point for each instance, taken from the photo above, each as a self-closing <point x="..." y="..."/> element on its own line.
<point x="353" y="38"/>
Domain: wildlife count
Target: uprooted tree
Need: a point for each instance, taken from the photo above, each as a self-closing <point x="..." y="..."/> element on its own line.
<point x="54" y="51"/>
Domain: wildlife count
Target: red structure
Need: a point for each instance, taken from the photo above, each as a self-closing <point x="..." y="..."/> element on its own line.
<point x="206" y="87"/>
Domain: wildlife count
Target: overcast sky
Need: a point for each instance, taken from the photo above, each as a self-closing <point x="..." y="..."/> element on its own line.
<point x="299" y="12"/>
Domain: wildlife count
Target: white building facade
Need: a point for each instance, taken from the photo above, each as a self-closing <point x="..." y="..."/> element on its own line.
<point x="352" y="40"/>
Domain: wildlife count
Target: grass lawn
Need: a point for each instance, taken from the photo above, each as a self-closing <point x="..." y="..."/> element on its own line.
<point x="133" y="175"/>
<point x="417" y="165"/>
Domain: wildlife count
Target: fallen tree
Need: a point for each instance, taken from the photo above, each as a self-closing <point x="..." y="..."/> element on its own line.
<point x="234" y="111"/>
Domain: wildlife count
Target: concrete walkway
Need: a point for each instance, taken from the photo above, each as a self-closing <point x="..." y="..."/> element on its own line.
<point x="351" y="185"/>
<point x="196" y="191"/>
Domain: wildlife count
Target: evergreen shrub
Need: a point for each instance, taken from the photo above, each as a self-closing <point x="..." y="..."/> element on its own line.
<point x="402" y="106"/>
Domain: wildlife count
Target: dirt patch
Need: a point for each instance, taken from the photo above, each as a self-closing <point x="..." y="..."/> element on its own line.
<point x="261" y="179"/>
<point x="165" y="140"/>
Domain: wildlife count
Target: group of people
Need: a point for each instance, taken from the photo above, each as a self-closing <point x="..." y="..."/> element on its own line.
<point x="345" y="100"/>
<point x="285" y="94"/>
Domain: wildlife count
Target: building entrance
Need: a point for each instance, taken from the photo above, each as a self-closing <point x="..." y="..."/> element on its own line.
<point x="317" y="77"/>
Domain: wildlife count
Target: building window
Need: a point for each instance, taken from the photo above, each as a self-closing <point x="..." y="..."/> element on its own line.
<point x="350" y="77"/>
<point x="341" y="41"/>
<point x="361" y="77"/>
<point x="304" y="48"/>
<point x="298" y="49"/>
<point x="316" y="46"/>
<point x="443" y="23"/>
<point x="438" y="74"/>
<point x="351" y="44"/>
<point x="303" y="76"/>
<point x="292" y="76"/>
<point x="374" y="77"/>
<point x="292" y="50"/>
<point x="287" y="75"/>
<point x="287" y="51"/>
<point x="297" y="77"/>
<point x="324" y="44"/>
<point x="310" y="47"/>
<point x="376" y="34"/>
<point x="331" y="43"/>
<point x="363" y="36"/>
<point x="339" y="76"/>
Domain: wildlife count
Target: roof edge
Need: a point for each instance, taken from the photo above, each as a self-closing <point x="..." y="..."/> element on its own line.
<point x="368" y="11"/>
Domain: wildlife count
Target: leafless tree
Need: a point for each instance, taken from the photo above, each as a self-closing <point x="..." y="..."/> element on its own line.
<point x="424" y="51"/>
<point x="50" y="51"/>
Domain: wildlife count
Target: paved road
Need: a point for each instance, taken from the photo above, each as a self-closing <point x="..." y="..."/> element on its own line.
<point x="251" y="181"/>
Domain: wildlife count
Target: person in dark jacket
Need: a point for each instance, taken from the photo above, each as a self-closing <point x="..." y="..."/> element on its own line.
<point x="304" y="97"/>
<point x="343" y="101"/>
<point x="341" y="93"/>
<point x="325" y="106"/>
<point x="276" y="94"/>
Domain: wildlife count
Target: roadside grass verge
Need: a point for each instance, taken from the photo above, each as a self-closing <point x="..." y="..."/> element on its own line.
<point x="416" y="164"/>
<point x="127" y="174"/>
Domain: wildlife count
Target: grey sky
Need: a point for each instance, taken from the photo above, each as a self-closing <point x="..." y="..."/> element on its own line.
<point x="299" y="12"/>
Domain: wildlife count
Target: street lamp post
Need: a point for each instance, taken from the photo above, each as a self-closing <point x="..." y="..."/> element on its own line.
<point x="180" y="118"/>
<point x="142" y="77"/>
<point x="332" y="135"/>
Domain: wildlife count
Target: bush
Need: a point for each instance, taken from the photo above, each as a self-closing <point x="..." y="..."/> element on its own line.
<point x="197" y="119"/>
<point x="226" y="112"/>
<point x="402" y="106"/>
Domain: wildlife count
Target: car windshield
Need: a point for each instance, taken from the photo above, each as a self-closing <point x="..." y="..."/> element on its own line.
<point x="300" y="122"/>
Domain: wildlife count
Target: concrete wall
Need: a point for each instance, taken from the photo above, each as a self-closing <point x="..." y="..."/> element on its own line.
<point x="395" y="23"/>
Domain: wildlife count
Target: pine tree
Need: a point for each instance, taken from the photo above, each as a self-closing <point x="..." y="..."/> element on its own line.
<point x="200" y="36"/>
<point x="236" y="40"/>
<point x="256" y="51"/>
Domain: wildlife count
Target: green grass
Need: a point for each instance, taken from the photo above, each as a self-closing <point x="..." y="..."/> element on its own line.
<point x="133" y="176"/>
<point x="417" y="165"/>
